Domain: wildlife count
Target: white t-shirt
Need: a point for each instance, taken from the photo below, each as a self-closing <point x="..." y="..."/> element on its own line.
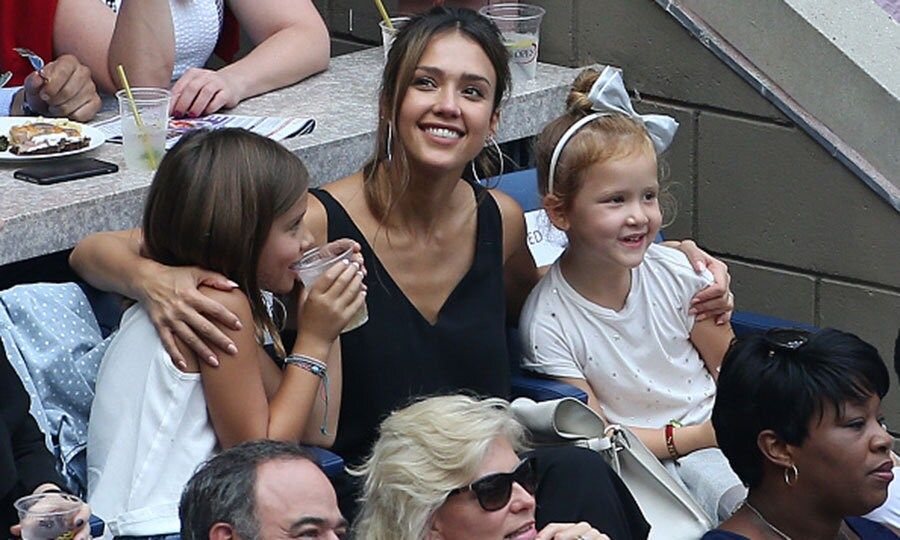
<point x="639" y="361"/>
<point x="148" y="432"/>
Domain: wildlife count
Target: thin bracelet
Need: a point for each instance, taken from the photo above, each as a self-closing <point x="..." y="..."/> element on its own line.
<point x="320" y="370"/>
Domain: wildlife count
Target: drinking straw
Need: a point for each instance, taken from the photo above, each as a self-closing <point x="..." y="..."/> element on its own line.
<point x="384" y="14"/>
<point x="151" y="158"/>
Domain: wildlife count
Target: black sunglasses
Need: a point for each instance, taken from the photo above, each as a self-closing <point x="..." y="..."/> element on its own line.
<point x="494" y="490"/>
<point x="785" y="339"/>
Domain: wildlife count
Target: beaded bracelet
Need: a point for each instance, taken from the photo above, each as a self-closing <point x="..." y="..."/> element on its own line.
<point x="320" y="370"/>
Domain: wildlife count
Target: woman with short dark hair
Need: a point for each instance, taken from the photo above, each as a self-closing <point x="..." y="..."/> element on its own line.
<point x="798" y="415"/>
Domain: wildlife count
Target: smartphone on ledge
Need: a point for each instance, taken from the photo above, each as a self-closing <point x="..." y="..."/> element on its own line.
<point x="64" y="170"/>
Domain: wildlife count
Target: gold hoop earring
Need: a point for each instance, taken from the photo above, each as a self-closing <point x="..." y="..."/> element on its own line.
<point x="787" y="477"/>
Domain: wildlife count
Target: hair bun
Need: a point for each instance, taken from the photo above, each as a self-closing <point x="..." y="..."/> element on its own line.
<point x="577" y="103"/>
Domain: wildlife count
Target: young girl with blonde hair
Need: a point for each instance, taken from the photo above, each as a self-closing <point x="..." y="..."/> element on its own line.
<point x="613" y="314"/>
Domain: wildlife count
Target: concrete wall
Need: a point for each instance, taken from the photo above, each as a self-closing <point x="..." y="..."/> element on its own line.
<point x="805" y="239"/>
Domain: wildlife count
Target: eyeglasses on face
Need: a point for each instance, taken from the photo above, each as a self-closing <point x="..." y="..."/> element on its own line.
<point x="494" y="490"/>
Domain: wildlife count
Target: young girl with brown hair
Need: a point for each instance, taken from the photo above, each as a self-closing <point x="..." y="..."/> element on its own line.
<point x="232" y="202"/>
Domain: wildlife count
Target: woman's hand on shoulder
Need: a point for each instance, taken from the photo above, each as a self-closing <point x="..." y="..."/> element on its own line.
<point x="570" y="531"/>
<point x="179" y="310"/>
<point x="716" y="300"/>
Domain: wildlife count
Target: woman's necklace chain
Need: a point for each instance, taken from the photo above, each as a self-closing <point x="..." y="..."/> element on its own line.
<point x="775" y="529"/>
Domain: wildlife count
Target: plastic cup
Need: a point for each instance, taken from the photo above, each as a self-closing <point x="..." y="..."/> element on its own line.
<point x="520" y="26"/>
<point x="144" y="147"/>
<point x="388" y="35"/>
<point x="316" y="261"/>
<point x="47" y="516"/>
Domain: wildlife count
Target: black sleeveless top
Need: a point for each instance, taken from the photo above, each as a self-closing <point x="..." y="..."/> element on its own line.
<point x="398" y="355"/>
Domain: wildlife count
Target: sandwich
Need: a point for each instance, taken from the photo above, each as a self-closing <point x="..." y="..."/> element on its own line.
<point x="46" y="137"/>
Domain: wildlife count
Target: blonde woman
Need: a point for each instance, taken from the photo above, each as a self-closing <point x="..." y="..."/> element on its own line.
<point x="449" y="468"/>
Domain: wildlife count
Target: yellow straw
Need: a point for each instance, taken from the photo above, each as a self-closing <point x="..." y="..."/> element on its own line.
<point x="384" y="14"/>
<point x="151" y="158"/>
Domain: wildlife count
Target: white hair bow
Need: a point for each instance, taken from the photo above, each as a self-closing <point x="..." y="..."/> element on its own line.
<point x="608" y="96"/>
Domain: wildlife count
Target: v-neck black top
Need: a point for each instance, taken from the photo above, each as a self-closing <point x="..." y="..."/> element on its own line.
<point x="398" y="355"/>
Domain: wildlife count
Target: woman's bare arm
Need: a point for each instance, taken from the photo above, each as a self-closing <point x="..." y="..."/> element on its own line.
<point x="143" y="42"/>
<point x="519" y="272"/>
<point x="711" y="340"/>
<point x="291" y="43"/>
<point x="84" y="29"/>
<point x="111" y="261"/>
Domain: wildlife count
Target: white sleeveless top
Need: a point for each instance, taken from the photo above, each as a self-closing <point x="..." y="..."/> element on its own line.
<point x="197" y="24"/>
<point x="148" y="432"/>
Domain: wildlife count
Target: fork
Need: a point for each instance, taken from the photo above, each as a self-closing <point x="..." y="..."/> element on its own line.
<point x="34" y="59"/>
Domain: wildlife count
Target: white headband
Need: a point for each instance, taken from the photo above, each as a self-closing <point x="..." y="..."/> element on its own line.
<point x="608" y="97"/>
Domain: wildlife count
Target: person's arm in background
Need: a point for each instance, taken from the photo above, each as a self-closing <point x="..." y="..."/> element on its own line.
<point x="67" y="91"/>
<point x="291" y="43"/>
<point x="83" y="28"/>
<point x="143" y="42"/>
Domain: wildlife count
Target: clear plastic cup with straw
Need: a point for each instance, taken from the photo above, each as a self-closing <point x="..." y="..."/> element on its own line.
<point x="389" y="33"/>
<point x="144" y="116"/>
<point x="520" y="26"/>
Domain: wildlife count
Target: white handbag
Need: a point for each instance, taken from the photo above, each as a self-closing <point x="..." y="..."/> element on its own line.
<point x="671" y="511"/>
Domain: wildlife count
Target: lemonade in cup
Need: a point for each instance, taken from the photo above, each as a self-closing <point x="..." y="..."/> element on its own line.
<point x="144" y="145"/>
<point x="520" y="27"/>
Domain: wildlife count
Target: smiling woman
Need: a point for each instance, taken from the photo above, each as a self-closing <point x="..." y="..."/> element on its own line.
<point x="447" y="262"/>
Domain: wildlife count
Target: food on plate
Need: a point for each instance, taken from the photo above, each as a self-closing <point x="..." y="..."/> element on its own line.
<point x="46" y="137"/>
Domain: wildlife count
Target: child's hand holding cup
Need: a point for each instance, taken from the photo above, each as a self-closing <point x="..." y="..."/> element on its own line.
<point x="315" y="262"/>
